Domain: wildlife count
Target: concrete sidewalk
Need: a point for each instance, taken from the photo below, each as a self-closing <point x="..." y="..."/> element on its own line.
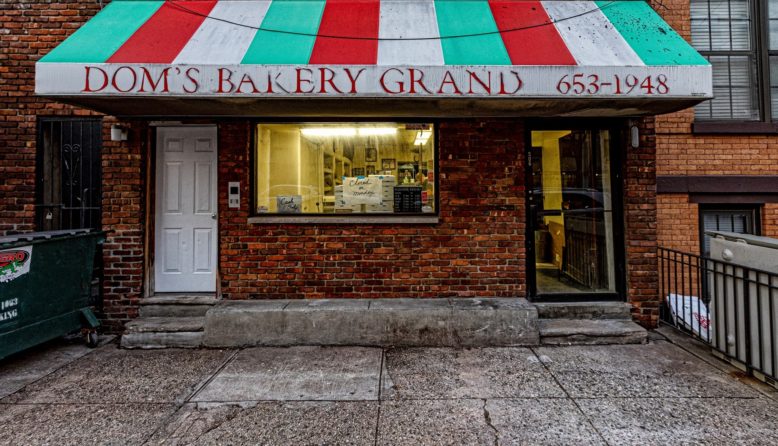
<point x="659" y="393"/>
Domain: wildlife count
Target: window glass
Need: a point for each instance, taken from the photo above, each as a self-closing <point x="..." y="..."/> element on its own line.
<point x="572" y="212"/>
<point x="772" y="14"/>
<point x="721" y="25"/>
<point x="721" y="31"/>
<point x="345" y="168"/>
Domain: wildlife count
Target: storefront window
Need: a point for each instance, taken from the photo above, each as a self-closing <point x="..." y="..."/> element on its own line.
<point x="345" y="168"/>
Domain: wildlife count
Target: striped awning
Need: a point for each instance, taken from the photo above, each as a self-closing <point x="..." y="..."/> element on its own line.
<point x="487" y="49"/>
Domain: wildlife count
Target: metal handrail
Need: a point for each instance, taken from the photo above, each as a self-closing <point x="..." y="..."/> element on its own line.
<point x="729" y="306"/>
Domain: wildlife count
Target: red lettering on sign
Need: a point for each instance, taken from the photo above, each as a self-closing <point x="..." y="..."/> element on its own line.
<point x="327" y="77"/>
<point x="147" y="77"/>
<point x="487" y="86"/>
<point x="414" y="81"/>
<point x="503" y="83"/>
<point x="225" y="80"/>
<point x="87" y="77"/>
<point x="353" y="79"/>
<point x="399" y="84"/>
<point x="115" y="77"/>
<point x="300" y="81"/>
<point x="448" y="79"/>
<point x="192" y="79"/>
<point x="246" y="79"/>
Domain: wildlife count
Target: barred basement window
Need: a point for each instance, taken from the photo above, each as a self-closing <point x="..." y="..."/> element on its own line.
<point x="345" y="168"/>
<point x="737" y="219"/>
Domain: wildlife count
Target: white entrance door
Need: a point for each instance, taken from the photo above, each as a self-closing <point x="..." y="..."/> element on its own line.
<point x="186" y="230"/>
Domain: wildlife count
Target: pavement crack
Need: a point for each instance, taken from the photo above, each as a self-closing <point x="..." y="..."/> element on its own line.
<point x="575" y="403"/>
<point x="232" y="413"/>
<point x="197" y="388"/>
<point x="488" y="419"/>
<point x="380" y="386"/>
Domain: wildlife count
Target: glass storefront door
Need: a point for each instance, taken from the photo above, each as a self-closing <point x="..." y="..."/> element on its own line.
<point x="571" y="214"/>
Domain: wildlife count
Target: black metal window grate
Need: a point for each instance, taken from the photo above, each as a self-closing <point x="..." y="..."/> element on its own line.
<point x="68" y="173"/>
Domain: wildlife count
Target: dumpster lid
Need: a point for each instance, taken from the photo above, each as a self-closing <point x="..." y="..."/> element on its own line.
<point x="749" y="239"/>
<point x="41" y="235"/>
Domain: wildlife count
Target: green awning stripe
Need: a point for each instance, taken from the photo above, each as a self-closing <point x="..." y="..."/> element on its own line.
<point x="101" y="36"/>
<point x="458" y="17"/>
<point x="649" y="36"/>
<point x="300" y="16"/>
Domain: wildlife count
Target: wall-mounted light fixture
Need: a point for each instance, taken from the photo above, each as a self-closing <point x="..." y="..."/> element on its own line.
<point x="119" y="133"/>
<point x="634" y="136"/>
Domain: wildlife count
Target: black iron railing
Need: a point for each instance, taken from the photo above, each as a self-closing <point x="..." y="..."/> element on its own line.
<point x="731" y="307"/>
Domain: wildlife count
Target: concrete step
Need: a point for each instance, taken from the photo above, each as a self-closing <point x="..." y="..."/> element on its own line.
<point x="373" y="322"/>
<point x="164" y="332"/>
<point x="584" y="310"/>
<point x="177" y="305"/>
<point x="590" y="332"/>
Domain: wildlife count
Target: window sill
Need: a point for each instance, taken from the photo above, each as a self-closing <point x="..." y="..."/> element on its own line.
<point x="346" y="220"/>
<point x="734" y="127"/>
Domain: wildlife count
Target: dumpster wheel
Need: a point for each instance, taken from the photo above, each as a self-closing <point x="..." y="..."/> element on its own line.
<point x="91" y="338"/>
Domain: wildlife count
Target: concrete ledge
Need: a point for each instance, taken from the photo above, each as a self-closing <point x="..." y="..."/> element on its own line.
<point x="373" y="322"/>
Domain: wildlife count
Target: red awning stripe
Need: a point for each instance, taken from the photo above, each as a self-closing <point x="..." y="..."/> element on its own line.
<point x="533" y="45"/>
<point x="348" y="18"/>
<point x="164" y="34"/>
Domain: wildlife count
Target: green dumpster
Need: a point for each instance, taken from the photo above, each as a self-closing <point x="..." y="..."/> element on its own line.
<point x="45" y="280"/>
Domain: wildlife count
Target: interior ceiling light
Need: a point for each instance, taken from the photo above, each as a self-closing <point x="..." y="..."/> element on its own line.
<point x="422" y="137"/>
<point x="329" y="131"/>
<point x="349" y="131"/>
<point x="377" y="131"/>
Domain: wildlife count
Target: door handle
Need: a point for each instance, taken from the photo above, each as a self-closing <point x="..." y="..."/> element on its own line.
<point x="213" y="215"/>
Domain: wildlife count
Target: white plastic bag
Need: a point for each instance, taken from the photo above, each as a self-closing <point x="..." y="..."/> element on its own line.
<point x="690" y="313"/>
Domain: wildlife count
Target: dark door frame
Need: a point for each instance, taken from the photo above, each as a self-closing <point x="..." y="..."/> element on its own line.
<point x="618" y="133"/>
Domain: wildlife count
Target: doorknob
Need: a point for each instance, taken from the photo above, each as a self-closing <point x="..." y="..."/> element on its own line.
<point x="213" y="215"/>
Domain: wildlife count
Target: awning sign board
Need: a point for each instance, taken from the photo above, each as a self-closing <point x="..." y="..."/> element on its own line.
<point x="376" y="48"/>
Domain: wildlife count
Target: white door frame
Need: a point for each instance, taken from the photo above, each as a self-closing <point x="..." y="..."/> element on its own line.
<point x="162" y="284"/>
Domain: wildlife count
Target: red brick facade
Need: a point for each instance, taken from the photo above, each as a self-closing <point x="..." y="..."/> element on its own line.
<point x="640" y="232"/>
<point x="477" y="249"/>
<point x="680" y="151"/>
<point x="28" y="30"/>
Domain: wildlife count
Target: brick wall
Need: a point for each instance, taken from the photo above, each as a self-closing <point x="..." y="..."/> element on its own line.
<point x="640" y="213"/>
<point x="124" y="202"/>
<point x="477" y="249"/>
<point x="678" y="223"/>
<point x="28" y="30"/>
<point x="681" y="152"/>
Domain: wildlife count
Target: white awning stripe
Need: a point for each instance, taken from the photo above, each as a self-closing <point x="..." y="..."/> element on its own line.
<point x="219" y="42"/>
<point x="404" y="19"/>
<point x="590" y="37"/>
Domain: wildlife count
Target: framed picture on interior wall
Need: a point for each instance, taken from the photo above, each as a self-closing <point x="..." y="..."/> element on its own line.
<point x="370" y="169"/>
<point x="388" y="164"/>
<point x="371" y="154"/>
<point x="357" y="172"/>
<point x="406" y="172"/>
